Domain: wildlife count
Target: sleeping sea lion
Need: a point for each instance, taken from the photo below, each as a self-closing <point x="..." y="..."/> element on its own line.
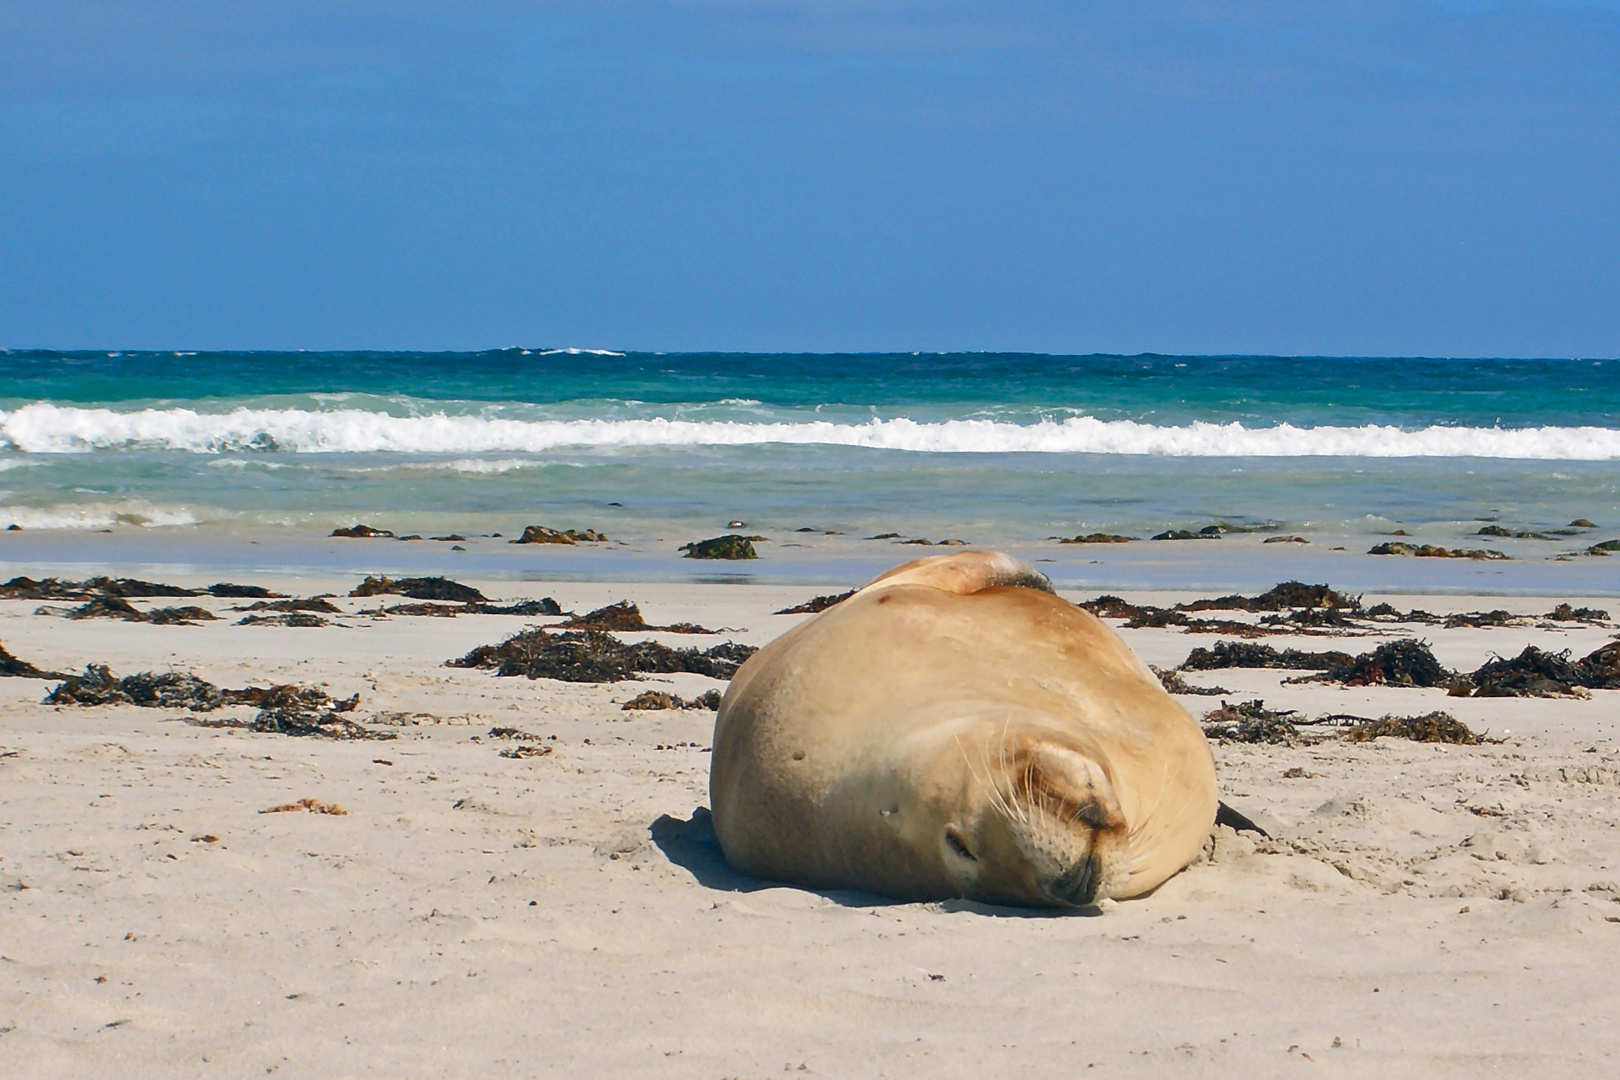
<point x="957" y="729"/>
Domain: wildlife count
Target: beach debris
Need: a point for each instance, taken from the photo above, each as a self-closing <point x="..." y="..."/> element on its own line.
<point x="314" y="806"/>
<point x="1140" y="616"/>
<point x="1245" y="654"/>
<point x="596" y="656"/>
<point x="1407" y="662"/>
<point x="225" y="590"/>
<point x="1208" y="532"/>
<point x="1095" y="538"/>
<point x="361" y="532"/>
<point x="421" y="588"/>
<point x="287" y="709"/>
<point x="26" y="588"/>
<point x="626" y="615"/>
<point x="1430" y="551"/>
<point x="169" y="690"/>
<point x="303" y="619"/>
<point x="13" y="668"/>
<point x="1533" y="673"/>
<point x="528" y="750"/>
<point x="539" y="534"/>
<point x="1173" y="683"/>
<point x="730" y="546"/>
<point x="1434" y="727"/>
<point x="816" y="604"/>
<point x="1314" y="619"/>
<point x="110" y="606"/>
<point x="1251" y="722"/>
<point x="1288" y="594"/>
<point x="318" y="604"/>
<point x="660" y="699"/>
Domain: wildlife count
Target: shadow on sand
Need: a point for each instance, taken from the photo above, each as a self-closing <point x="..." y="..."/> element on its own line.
<point x="691" y="844"/>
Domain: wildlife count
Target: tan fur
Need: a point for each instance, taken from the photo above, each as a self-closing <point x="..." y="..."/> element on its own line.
<point x="954" y="729"/>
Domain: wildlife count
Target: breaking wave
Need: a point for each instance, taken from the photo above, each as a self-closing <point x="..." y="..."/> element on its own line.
<point x="42" y="428"/>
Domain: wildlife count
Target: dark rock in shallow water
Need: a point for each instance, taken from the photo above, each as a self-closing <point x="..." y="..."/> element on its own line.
<point x="1430" y="551"/>
<point x="539" y="534"/>
<point x="1187" y="534"/>
<point x="423" y="588"/>
<point x="730" y="546"/>
<point x="1096" y="538"/>
<point x="361" y="532"/>
<point x="1285" y="540"/>
<point x="594" y="656"/>
<point x="818" y="603"/>
<point x="1582" y="523"/>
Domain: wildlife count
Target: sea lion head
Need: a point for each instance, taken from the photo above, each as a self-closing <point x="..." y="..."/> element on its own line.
<point x="1035" y="822"/>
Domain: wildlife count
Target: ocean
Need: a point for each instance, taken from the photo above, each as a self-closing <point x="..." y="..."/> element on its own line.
<point x="996" y="449"/>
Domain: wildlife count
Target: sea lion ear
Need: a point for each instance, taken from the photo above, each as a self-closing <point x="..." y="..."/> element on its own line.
<point x="965" y="573"/>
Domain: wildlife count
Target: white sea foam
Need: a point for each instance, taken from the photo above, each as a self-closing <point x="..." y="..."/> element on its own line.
<point x="43" y="428"/>
<point x="95" y="515"/>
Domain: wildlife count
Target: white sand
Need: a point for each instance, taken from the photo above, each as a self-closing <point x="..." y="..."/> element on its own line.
<point x="1424" y="911"/>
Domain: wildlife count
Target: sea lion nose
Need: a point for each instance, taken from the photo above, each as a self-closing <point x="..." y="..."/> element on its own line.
<point x="1078" y="885"/>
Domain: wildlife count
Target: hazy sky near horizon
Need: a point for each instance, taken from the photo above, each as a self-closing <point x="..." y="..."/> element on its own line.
<point x="1356" y="177"/>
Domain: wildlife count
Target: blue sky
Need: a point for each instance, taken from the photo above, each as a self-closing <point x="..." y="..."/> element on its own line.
<point x="1332" y="177"/>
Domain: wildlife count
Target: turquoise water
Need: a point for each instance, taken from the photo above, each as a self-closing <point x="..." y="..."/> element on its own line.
<point x="990" y="448"/>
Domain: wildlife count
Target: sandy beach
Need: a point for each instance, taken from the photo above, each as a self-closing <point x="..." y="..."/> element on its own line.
<point x="522" y="880"/>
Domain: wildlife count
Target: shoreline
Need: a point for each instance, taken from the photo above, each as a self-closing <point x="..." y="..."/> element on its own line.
<point x="1234" y="562"/>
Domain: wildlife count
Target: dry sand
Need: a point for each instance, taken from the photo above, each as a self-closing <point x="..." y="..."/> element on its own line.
<point x="1420" y="910"/>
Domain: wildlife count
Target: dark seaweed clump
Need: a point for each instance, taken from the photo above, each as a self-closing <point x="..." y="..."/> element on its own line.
<point x="625" y="616"/>
<point x="1245" y="654"/>
<point x="595" y="656"/>
<point x="817" y="604"/>
<point x="1407" y="662"/>
<point x="1533" y="673"/>
<point x="1289" y="594"/>
<point x="110" y="606"/>
<point x="11" y="667"/>
<point x="285" y="709"/>
<point x="1435" y="727"/>
<point x="1173" y="683"/>
<point x="422" y="588"/>
<point x="659" y="699"/>
<point x="1251" y="722"/>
